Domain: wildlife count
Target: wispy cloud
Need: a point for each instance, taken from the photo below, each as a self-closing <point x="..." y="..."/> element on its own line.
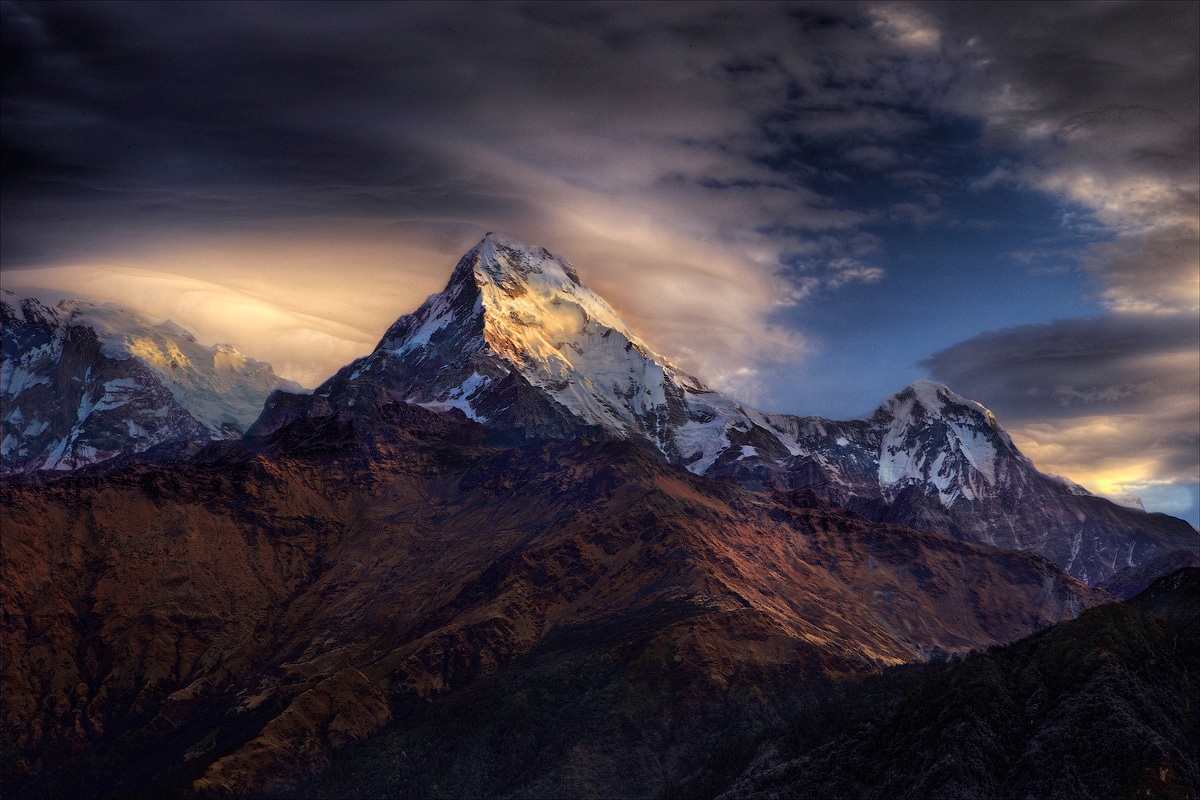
<point x="1102" y="104"/>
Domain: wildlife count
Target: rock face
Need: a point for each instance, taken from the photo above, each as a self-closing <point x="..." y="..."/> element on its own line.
<point x="226" y="624"/>
<point x="82" y="383"/>
<point x="1132" y="581"/>
<point x="517" y="342"/>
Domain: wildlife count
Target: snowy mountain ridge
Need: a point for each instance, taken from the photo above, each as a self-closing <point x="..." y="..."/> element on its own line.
<point x="517" y="342"/>
<point x="82" y="382"/>
<point x="509" y="308"/>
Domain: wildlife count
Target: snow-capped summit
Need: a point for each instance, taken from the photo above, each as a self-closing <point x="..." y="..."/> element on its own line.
<point x="924" y="436"/>
<point x="513" y="318"/>
<point x="82" y="382"/>
<point x="930" y="458"/>
<point x="935" y="437"/>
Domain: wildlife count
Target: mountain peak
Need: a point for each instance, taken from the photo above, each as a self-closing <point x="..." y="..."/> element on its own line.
<point x="173" y="328"/>
<point x="534" y="301"/>
<point x="512" y="266"/>
<point x="503" y="255"/>
<point x="935" y="437"/>
<point x="938" y="400"/>
<point x="934" y="395"/>
<point x="929" y="393"/>
<point x="529" y="305"/>
<point x="514" y="316"/>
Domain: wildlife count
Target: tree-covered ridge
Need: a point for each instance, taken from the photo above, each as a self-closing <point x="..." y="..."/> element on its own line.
<point x="1104" y="706"/>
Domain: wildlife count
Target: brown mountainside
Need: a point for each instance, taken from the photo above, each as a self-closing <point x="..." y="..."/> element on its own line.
<point x="225" y="624"/>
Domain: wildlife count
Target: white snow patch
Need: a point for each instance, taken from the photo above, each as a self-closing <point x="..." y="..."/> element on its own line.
<point x="16" y="378"/>
<point x="705" y="436"/>
<point x="54" y="459"/>
<point x="35" y="428"/>
<point x="460" y="397"/>
<point x="86" y="404"/>
<point x="117" y="393"/>
<point x="785" y="427"/>
<point x="701" y="444"/>
<point x="439" y="316"/>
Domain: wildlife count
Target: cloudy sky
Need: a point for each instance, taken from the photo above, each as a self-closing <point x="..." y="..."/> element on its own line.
<point x="808" y="205"/>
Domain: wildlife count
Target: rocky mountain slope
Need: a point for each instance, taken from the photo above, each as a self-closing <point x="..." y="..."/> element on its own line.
<point x="516" y="341"/>
<point x="1132" y="581"/>
<point x="81" y="383"/>
<point x="1100" y="707"/>
<point x="225" y="625"/>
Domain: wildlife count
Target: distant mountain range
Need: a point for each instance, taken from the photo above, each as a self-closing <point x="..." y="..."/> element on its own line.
<point x="517" y="342"/>
<point x="514" y="551"/>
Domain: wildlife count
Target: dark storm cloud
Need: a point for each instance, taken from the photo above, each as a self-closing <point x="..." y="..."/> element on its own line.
<point x="1102" y="102"/>
<point x="192" y="114"/>
<point x="286" y="110"/>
